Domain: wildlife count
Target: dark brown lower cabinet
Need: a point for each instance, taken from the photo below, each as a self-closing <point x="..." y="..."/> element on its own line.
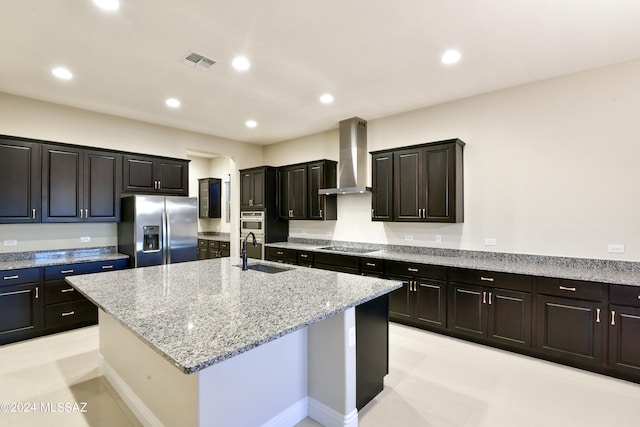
<point x="624" y="339"/>
<point x="419" y="302"/>
<point x="571" y="330"/>
<point x="20" y="312"/>
<point x="501" y="316"/>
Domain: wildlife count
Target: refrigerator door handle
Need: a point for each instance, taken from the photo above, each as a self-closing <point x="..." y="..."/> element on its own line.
<point x="167" y="250"/>
<point x="164" y="237"/>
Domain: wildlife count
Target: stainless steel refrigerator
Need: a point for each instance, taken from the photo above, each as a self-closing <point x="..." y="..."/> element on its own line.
<point x="156" y="230"/>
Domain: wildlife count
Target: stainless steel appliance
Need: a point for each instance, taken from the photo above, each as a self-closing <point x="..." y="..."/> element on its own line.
<point x="253" y="222"/>
<point x="158" y="230"/>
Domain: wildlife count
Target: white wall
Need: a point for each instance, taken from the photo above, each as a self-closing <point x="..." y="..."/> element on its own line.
<point x="550" y="168"/>
<point x="29" y="118"/>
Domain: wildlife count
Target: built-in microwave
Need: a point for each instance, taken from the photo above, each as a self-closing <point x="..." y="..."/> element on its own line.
<point x="252" y="221"/>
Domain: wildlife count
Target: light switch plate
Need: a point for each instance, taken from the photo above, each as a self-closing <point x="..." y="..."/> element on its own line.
<point x="438" y="238"/>
<point x="85" y="239"/>
<point x="408" y="237"/>
<point x="616" y="248"/>
<point x="352" y="336"/>
<point x="490" y="242"/>
<point x="11" y="243"/>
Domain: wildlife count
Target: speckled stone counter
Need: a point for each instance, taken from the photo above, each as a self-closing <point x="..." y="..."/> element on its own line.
<point x="197" y="314"/>
<point x="594" y="270"/>
<point x="16" y="260"/>
<point x="214" y="235"/>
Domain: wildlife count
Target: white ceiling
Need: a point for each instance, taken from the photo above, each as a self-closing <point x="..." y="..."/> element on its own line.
<point x="376" y="57"/>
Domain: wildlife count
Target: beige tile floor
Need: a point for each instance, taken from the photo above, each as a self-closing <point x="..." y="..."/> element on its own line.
<point x="434" y="381"/>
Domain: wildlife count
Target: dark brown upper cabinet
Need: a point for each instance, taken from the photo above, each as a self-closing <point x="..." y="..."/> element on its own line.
<point x="252" y="187"/>
<point x="80" y="185"/>
<point x="155" y="175"/>
<point x="426" y="183"/>
<point x="20" y="200"/>
<point x="209" y="197"/>
<point x="298" y="190"/>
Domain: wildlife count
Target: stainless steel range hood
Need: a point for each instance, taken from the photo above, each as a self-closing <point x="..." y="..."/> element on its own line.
<point x="352" y="164"/>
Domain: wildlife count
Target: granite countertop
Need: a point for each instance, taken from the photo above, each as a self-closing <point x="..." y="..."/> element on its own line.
<point x="593" y="270"/>
<point x="199" y="313"/>
<point x="13" y="261"/>
<point x="214" y="235"/>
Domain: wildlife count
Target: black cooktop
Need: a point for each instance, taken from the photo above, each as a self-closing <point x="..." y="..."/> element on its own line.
<point x="344" y="249"/>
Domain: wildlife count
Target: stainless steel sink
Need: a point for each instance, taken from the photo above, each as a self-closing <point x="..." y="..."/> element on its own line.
<point x="271" y="269"/>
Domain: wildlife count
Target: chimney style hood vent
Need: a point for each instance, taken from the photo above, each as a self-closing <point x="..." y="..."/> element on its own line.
<point x="352" y="164"/>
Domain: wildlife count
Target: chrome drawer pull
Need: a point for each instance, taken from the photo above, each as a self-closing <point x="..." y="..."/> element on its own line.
<point x="415" y="270"/>
<point x="69" y="313"/>
<point x="67" y="290"/>
<point x="563" y="288"/>
<point x="17" y="277"/>
<point x="280" y="253"/>
<point x="484" y="297"/>
<point x="371" y="264"/>
<point x="487" y="279"/>
<point x="489" y="298"/>
<point x="37" y="293"/>
<point x="304" y="256"/>
<point x="597" y="315"/>
<point x="107" y="267"/>
<point x="613" y="318"/>
<point x="66" y="271"/>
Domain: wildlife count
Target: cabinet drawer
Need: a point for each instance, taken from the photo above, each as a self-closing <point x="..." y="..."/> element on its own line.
<point x="70" y="313"/>
<point x="203" y="243"/>
<point x="349" y="261"/>
<point x="19" y="276"/>
<point x="624" y="295"/>
<point x="516" y="282"/>
<point x="281" y="255"/>
<point x="416" y="270"/>
<point x="54" y="272"/>
<point x="577" y="289"/>
<point x="57" y="291"/>
<point x="214" y="244"/>
<point x="305" y="258"/>
<point x="371" y="265"/>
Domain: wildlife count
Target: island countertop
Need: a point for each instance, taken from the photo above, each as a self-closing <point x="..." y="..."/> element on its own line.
<point x="196" y="314"/>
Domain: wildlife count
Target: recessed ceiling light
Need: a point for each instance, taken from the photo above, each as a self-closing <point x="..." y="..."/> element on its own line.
<point x="327" y="98"/>
<point x="241" y="63"/>
<point x="251" y="123"/>
<point x="107" y="4"/>
<point x="62" y="73"/>
<point x="172" y="102"/>
<point x="450" y="57"/>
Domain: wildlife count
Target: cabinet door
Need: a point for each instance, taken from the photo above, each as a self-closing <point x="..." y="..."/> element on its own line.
<point x="138" y="174"/>
<point x="400" y="302"/>
<point x="20" y="199"/>
<point x="173" y="177"/>
<point x="430" y="303"/>
<point x="570" y="330"/>
<point x="439" y="183"/>
<point x="624" y="342"/>
<point x="246" y="190"/>
<point x="102" y="184"/>
<point x="467" y="314"/>
<point x="407" y="172"/>
<point x="382" y="183"/>
<point x="62" y="179"/>
<point x="509" y="317"/>
<point x="20" y="312"/>
<point x="316" y="181"/>
<point x="284" y="193"/>
<point x="203" y="198"/>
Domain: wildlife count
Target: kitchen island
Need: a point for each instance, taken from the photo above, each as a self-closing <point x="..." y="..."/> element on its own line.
<point x="205" y="343"/>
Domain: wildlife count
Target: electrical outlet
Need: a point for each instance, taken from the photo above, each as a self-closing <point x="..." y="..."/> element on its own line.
<point x="352" y="336"/>
<point x="616" y="249"/>
<point x="408" y="237"/>
<point x="11" y="243"/>
<point x="490" y="242"/>
<point x="438" y="238"/>
<point x="85" y="239"/>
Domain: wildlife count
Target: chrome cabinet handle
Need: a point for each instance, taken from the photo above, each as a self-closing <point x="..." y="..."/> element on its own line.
<point x="67" y="290"/>
<point x="484" y="297"/>
<point x="159" y="184"/>
<point x="107" y="267"/>
<point x="66" y="271"/>
<point x="371" y="264"/>
<point x="37" y="292"/>
<point x="415" y="270"/>
<point x="489" y="298"/>
<point x="280" y="253"/>
<point x="86" y="213"/>
<point x="597" y="315"/>
<point x="33" y="214"/>
<point x="320" y="212"/>
<point x="372" y="213"/>
<point x="487" y="279"/>
<point x="563" y="288"/>
<point x="613" y="318"/>
<point x="69" y="313"/>
<point x="11" y="277"/>
<point x="304" y="256"/>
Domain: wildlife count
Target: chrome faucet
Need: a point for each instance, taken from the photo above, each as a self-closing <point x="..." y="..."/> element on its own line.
<point x="244" y="249"/>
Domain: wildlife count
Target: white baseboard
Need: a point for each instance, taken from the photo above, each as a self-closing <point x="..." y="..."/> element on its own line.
<point x="290" y="416"/>
<point x="139" y="409"/>
<point x="329" y="417"/>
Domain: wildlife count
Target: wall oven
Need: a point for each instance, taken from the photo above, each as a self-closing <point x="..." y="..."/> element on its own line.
<point x="252" y="221"/>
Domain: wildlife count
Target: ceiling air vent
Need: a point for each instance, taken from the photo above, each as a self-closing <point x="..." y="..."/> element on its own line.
<point x="198" y="61"/>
